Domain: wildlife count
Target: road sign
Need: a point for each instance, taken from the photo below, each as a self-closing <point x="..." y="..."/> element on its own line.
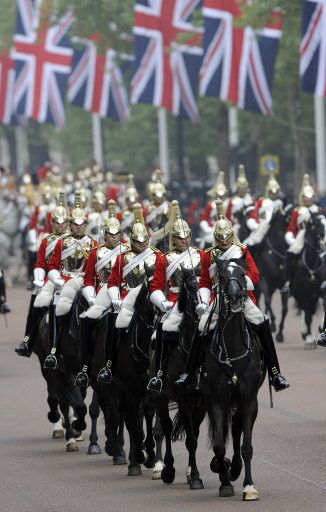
<point x="268" y="164"/>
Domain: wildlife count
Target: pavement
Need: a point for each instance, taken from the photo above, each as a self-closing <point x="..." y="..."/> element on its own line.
<point x="37" y="475"/>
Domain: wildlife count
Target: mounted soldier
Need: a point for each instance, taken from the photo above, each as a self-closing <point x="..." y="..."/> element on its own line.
<point x="227" y="247"/>
<point x="42" y="296"/>
<point x="239" y="204"/>
<point x="126" y="279"/>
<point x="98" y="269"/>
<point x="97" y="215"/>
<point x="126" y="217"/>
<point x="296" y="229"/>
<point x="167" y="279"/>
<point x="158" y="210"/>
<point x="208" y="217"/>
<point x="66" y="271"/>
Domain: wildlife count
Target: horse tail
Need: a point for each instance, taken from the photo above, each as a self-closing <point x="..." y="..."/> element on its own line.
<point x="178" y="429"/>
<point x="227" y="422"/>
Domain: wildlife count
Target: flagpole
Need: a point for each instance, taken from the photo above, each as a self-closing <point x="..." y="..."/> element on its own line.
<point x="320" y="142"/>
<point x="98" y="153"/>
<point x="233" y="142"/>
<point x="163" y="143"/>
<point x="21" y="150"/>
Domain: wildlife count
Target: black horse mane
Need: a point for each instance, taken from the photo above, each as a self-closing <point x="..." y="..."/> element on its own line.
<point x="188" y="276"/>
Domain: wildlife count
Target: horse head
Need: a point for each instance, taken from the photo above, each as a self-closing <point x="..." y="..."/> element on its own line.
<point x="188" y="290"/>
<point x="232" y="283"/>
<point x="315" y="235"/>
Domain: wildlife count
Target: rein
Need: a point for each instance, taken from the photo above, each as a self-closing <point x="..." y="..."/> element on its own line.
<point x="312" y="271"/>
<point x="274" y="251"/>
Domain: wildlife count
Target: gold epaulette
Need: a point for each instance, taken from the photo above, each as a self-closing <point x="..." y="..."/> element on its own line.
<point x="154" y="249"/>
<point x="209" y="249"/>
<point x="241" y="245"/>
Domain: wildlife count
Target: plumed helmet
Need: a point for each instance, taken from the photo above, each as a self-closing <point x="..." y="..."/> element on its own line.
<point x="223" y="230"/>
<point x="156" y="187"/>
<point x="272" y="187"/>
<point x="180" y="227"/>
<point x="131" y="192"/>
<point x="307" y="191"/>
<point x="219" y="190"/>
<point x="111" y="224"/>
<point x="242" y="182"/>
<point x="138" y="231"/>
<point x="98" y="197"/>
<point x="60" y="214"/>
<point x="77" y="215"/>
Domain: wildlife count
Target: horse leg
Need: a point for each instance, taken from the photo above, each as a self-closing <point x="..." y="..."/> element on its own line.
<point x="149" y="412"/>
<point x="285" y="299"/>
<point x="309" y="340"/>
<point x="134" y="427"/>
<point x="71" y="444"/>
<point x="77" y="400"/>
<point x="94" y="411"/>
<point x="162" y="409"/>
<point x="158" y="436"/>
<point x="192" y="433"/>
<point x="114" y="437"/>
<point x="236" y="464"/>
<point x="268" y="303"/>
<point x="219" y="464"/>
<point x="249" y="492"/>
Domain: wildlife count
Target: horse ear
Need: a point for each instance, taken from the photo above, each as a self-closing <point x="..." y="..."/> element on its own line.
<point x="187" y="271"/>
<point x="220" y="264"/>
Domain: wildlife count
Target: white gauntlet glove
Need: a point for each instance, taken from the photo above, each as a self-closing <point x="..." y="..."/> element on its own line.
<point x="166" y="306"/>
<point x="58" y="283"/>
<point x="38" y="284"/>
<point x="116" y="303"/>
<point x="201" y="308"/>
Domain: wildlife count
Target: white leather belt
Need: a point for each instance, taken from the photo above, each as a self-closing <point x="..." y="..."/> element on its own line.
<point x="77" y="273"/>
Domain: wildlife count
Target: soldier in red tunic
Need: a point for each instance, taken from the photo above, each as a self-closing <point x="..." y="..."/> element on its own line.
<point x="42" y="295"/>
<point x="208" y="217"/>
<point x="240" y="201"/>
<point x="227" y="247"/>
<point x="66" y="270"/>
<point x="98" y="269"/>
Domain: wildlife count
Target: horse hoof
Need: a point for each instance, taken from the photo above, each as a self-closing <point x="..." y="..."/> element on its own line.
<point x="157" y="471"/>
<point x="93" y="449"/>
<point x="168" y="475"/>
<point x="279" y="337"/>
<point x="134" y="470"/>
<point x="310" y="343"/>
<point x="150" y="462"/>
<point x="214" y="465"/>
<point x="79" y="425"/>
<point x="225" y="491"/>
<point x="72" y="446"/>
<point x="58" y="434"/>
<point x="188" y="475"/>
<point x="250" y="493"/>
<point x="79" y="437"/>
<point x="119" y="460"/>
<point x="197" y="483"/>
<point x="140" y="457"/>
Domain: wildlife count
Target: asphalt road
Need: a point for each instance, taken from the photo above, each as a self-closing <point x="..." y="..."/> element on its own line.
<point x="37" y="475"/>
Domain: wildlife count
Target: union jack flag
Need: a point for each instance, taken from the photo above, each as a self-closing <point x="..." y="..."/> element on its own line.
<point x="238" y="63"/>
<point x="42" y="55"/>
<point x="7" y="77"/>
<point x="313" y="47"/>
<point x="96" y="83"/>
<point x="167" y="56"/>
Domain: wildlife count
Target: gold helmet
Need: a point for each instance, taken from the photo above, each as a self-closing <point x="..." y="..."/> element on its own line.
<point x="98" y="197"/>
<point x="223" y="231"/>
<point x="180" y="227"/>
<point x="77" y="215"/>
<point x="60" y="214"/>
<point x="131" y="192"/>
<point x="155" y="178"/>
<point x="139" y="231"/>
<point x="242" y="182"/>
<point x="111" y="225"/>
<point x="219" y="190"/>
<point x="307" y="193"/>
<point x="273" y="187"/>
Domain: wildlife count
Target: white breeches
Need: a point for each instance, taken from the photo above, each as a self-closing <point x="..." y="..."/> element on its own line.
<point x="102" y="303"/>
<point x="127" y="309"/>
<point x="298" y="244"/>
<point x="44" y="298"/>
<point x="251" y="312"/>
<point x="67" y="295"/>
<point x="172" y="323"/>
<point x="257" y="236"/>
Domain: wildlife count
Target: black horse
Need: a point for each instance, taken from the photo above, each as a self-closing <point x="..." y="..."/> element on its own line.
<point x="309" y="273"/>
<point x="131" y="377"/>
<point x="233" y="374"/>
<point x="270" y="260"/>
<point x="191" y="409"/>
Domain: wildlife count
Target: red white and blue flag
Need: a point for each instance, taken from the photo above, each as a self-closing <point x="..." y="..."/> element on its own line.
<point x="7" y="77"/>
<point x="238" y="63"/>
<point x="96" y="83"/>
<point x="42" y="55"/>
<point x="168" y="56"/>
<point x="313" y="47"/>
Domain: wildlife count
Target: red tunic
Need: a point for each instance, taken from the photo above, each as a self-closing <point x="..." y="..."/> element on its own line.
<point x="208" y="215"/>
<point x="42" y="261"/>
<point x="250" y="270"/>
<point x="254" y="214"/>
<point x="293" y="226"/>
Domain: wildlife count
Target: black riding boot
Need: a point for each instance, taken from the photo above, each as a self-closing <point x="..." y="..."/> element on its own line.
<point x="56" y="324"/>
<point x="33" y="319"/>
<point x="264" y="333"/>
<point x="187" y="378"/>
<point x="289" y="267"/>
<point x="31" y="260"/>
<point x="4" y="306"/>
<point x="155" y="384"/>
<point x="322" y="337"/>
<point x="105" y="375"/>
<point x="87" y="326"/>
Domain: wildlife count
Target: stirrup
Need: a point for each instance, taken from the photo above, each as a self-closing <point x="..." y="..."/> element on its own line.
<point x="50" y="362"/>
<point x="82" y="379"/>
<point x="23" y="349"/>
<point x="155" y="385"/>
<point x="279" y="382"/>
<point x="104" y="375"/>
